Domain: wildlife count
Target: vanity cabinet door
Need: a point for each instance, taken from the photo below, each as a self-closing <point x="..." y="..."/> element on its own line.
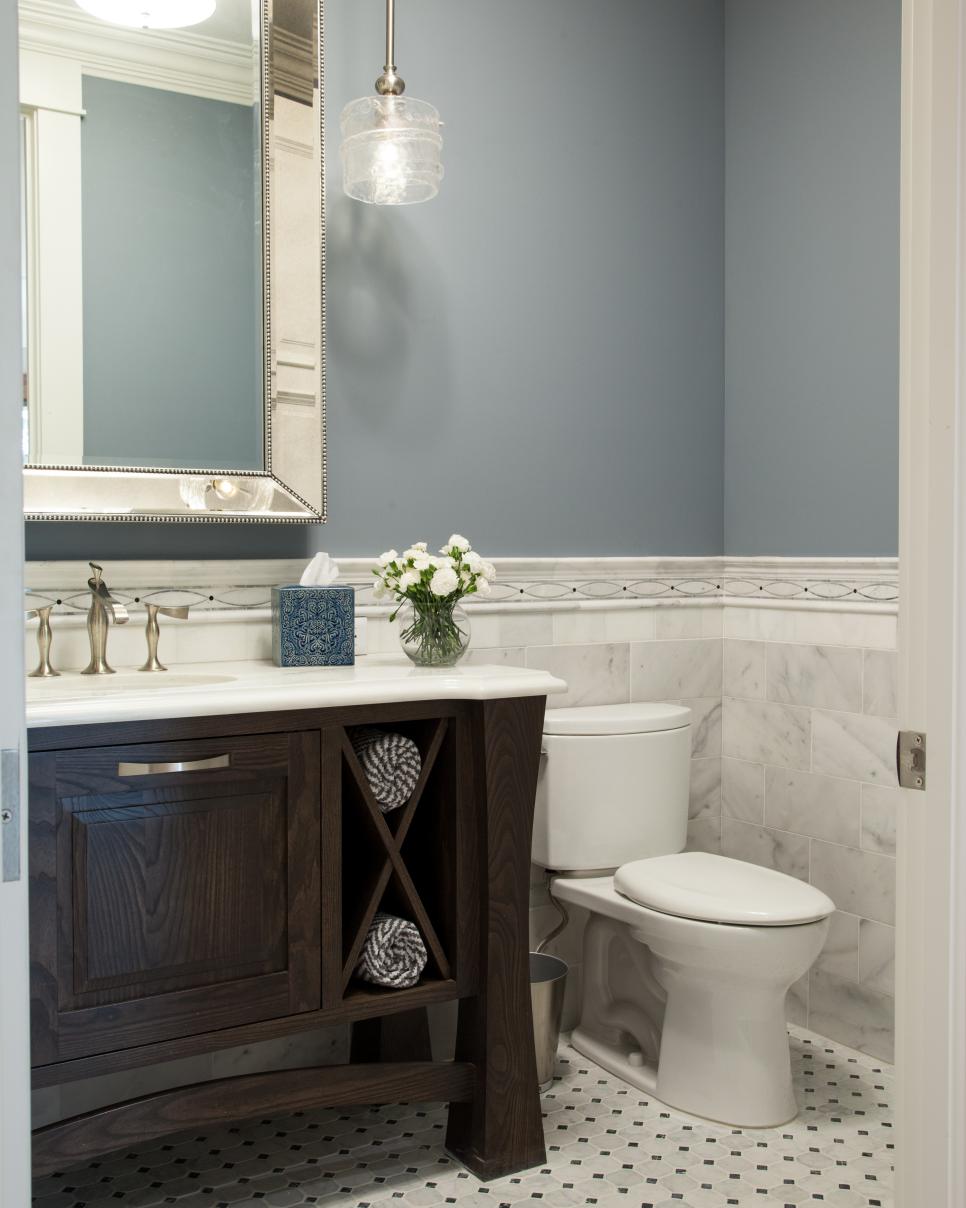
<point x="174" y="890"/>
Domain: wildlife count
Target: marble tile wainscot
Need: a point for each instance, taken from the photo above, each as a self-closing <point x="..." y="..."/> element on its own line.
<point x="808" y="786"/>
<point x="803" y="784"/>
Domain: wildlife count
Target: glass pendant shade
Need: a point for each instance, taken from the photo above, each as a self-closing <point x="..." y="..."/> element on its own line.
<point x="391" y="149"/>
<point x="150" y="14"/>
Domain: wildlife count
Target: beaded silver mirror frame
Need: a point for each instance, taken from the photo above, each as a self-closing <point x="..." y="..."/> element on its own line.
<point x="291" y="488"/>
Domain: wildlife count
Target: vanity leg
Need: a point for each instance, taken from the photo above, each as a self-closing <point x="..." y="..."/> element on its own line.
<point x="500" y="1131"/>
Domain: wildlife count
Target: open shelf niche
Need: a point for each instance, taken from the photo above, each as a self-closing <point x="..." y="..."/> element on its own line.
<point x="401" y="862"/>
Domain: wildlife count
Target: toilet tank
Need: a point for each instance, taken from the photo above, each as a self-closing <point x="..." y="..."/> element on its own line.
<point x="613" y="785"/>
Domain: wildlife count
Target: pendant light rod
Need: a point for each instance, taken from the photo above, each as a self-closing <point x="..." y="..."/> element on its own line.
<point x="390" y="64"/>
<point x="389" y="83"/>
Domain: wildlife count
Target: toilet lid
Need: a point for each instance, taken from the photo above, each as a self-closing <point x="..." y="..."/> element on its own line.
<point x="716" y="889"/>
<point x="640" y="717"/>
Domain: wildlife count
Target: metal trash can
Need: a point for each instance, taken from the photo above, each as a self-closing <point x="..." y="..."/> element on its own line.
<point x="548" y="978"/>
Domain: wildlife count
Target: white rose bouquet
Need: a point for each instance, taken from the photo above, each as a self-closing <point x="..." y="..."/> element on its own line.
<point x="427" y="589"/>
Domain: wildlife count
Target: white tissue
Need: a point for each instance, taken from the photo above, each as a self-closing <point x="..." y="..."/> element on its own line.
<point x="320" y="572"/>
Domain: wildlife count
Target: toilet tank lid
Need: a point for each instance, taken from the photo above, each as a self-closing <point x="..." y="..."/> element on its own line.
<point x="641" y="717"/>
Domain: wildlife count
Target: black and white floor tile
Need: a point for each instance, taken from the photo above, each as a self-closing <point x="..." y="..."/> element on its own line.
<point x="607" y="1145"/>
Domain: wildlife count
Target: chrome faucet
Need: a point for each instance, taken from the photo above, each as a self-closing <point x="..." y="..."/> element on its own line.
<point x="104" y="609"/>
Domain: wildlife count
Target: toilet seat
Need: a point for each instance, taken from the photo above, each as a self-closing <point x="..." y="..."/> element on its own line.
<point x="716" y="889"/>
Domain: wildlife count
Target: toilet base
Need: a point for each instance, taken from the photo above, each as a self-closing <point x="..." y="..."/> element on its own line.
<point x="625" y="1061"/>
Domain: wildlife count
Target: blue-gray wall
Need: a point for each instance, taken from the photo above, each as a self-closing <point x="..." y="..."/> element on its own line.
<point x="534" y="358"/>
<point x="812" y="277"/>
<point x="172" y="371"/>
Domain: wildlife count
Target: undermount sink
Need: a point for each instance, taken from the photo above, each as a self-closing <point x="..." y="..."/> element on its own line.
<point x="123" y="682"/>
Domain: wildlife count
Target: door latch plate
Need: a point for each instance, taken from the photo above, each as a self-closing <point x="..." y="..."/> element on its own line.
<point x="911" y="759"/>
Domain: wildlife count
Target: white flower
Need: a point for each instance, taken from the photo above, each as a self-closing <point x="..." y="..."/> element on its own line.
<point x="444" y="581"/>
<point x="456" y="542"/>
<point x="422" y="562"/>
<point x="489" y="570"/>
<point x="379" y="592"/>
<point x="407" y="580"/>
<point x="415" y="550"/>
<point x="389" y="556"/>
<point x="466" y="574"/>
<point x="482" y="587"/>
<point x="473" y="561"/>
<point x="421" y="546"/>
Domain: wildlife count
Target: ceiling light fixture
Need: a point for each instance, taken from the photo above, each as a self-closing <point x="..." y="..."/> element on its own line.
<point x="391" y="144"/>
<point x="149" y="14"/>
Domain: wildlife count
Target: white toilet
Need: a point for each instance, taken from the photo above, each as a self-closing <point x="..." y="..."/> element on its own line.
<point x="687" y="956"/>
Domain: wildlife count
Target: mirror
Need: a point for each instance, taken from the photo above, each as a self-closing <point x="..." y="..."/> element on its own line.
<point x="172" y="201"/>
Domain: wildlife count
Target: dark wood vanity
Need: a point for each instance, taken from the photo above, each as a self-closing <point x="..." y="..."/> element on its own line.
<point x="207" y="882"/>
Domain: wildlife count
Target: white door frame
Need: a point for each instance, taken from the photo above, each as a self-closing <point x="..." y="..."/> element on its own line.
<point x="14" y="975"/>
<point x="931" y="969"/>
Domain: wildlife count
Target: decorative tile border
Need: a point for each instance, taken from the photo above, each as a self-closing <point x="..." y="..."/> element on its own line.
<point x="551" y="582"/>
<point x="873" y="580"/>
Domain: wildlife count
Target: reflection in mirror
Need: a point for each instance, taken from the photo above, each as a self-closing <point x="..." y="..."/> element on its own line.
<point x="142" y="234"/>
<point x="172" y="251"/>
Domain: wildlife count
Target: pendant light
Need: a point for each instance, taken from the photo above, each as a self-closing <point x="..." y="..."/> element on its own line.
<point x="150" y="14"/>
<point x="390" y="143"/>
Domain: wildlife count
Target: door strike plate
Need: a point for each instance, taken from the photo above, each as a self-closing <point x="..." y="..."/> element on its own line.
<point x="9" y="815"/>
<point x="911" y="759"/>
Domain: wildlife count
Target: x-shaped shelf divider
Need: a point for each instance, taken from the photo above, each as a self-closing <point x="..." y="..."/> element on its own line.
<point x="394" y="863"/>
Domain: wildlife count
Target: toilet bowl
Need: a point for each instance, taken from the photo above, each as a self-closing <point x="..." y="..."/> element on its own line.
<point x="687" y="956"/>
<point x="692" y="1009"/>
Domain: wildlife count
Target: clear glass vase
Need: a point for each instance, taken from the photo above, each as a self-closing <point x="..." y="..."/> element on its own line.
<point x="433" y="635"/>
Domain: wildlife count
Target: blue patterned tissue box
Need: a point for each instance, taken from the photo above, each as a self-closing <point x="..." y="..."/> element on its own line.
<point x="313" y="626"/>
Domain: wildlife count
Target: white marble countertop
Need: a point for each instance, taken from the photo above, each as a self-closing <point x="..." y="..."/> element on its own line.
<point x="209" y="689"/>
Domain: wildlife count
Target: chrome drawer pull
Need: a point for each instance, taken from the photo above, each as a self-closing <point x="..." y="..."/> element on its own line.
<point x="157" y="769"/>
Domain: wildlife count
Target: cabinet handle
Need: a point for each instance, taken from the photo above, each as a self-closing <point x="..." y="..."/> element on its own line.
<point x="158" y="769"/>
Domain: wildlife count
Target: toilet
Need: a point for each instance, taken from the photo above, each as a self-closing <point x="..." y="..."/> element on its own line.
<point x="687" y="956"/>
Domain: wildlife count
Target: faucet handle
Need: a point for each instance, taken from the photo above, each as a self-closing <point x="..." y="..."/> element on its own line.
<point x="179" y="612"/>
<point x="43" y="670"/>
<point x="153" y="630"/>
<point x="101" y="592"/>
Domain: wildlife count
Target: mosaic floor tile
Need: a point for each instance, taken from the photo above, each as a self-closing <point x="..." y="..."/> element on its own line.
<point x="607" y="1145"/>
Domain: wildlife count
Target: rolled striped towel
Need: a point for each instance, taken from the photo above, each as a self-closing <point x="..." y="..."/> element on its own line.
<point x="393" y="955"/>
<point x="392" y="764"/>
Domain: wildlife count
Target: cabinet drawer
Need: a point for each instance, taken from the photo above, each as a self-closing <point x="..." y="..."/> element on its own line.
<point x="174" y="889"/>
